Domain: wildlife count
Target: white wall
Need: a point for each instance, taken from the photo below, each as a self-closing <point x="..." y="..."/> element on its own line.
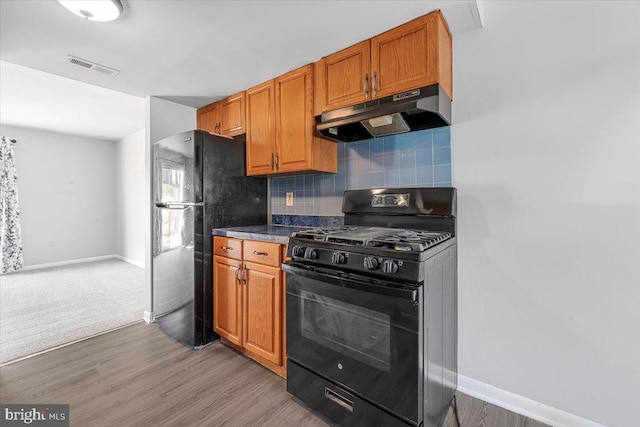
<point x="163" y="118"/>
<point x="67" y="194"/>
<point x="132" y="197"/>
<point x="546" y="144"/>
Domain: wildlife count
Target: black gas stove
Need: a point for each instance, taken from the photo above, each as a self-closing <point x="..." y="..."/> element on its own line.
<point x="371" y="310"/>
<point x="393" y="253"/>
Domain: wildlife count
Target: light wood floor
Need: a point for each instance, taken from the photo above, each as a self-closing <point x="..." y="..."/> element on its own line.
<point x="137" y="376"/>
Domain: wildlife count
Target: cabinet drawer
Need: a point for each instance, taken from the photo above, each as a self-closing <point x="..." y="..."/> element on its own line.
<point x="262" y="252"/>
<point x="230" y="248"/>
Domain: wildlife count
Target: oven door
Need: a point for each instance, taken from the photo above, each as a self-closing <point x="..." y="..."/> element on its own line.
<point x="362" y="334"/>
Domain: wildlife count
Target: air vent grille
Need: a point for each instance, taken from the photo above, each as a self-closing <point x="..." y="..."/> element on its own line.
<point x="92" y="65"/>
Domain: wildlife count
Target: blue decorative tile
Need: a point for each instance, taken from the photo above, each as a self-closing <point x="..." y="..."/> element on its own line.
<point x="363" y="149"/>
<point x="364" y="181"/>
<point x="377" y="146"/>
<point x="424" y="175"/>
<point x="442" y="137"/>
<point x="405" y="142"/>
<point x="390" y="160"/>
<point x="377" y="179"/>
<point x="407" y="160"/>
<point x="291" y="183"/>
<point x="408" y="177"/>
<point x="376" y="163"/>
<point x="391" y="178"/>
<point x="351" y="151"/>
<point x="352" y="182"/>
<point x="424" y="140"/>
<point x="352" y="166"/>
<point x="363" y="165"/>
<point x="442" y="156"/>
<point x="391" y="144"/>
<point x="393" y="161"/>
<point x="442" y="173"/>
<point x="424" y="158"/>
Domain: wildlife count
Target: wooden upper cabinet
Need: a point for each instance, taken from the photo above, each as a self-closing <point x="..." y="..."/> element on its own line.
<point x="297" y="147"/>
<point x="413" y="55"/>
<point x="226" y="117"/>
<point x="209" y="117"/>
<point x="232" y="115"/>
<point x="281" y="127"/>
<point x="261" y="128"/>
<point x="342" y="79"/>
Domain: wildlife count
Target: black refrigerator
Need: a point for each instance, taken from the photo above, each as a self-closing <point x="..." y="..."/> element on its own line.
<point x="199" y="184"/>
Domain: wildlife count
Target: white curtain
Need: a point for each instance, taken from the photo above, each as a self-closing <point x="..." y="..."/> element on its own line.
<point x="10" y="235"/>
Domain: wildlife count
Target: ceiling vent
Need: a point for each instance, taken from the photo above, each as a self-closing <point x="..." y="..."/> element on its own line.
<point x="91" y="65"/>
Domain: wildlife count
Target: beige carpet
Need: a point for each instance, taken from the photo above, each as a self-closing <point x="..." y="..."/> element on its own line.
<point x="41" y="309"/>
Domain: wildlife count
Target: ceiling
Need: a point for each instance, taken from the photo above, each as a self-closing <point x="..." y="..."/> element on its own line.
<point x="190" y="52"/>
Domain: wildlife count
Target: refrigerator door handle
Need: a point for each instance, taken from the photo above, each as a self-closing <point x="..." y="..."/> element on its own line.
<point x="180" y="205"/>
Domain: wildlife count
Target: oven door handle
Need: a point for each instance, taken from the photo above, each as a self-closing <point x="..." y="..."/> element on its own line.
<point x="360" y="283"/>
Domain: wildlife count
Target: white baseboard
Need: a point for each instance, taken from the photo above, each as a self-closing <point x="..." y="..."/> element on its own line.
<point x="521" y="405"/>
<point x="69" y="262"/>
<point x="130" y="261"/>
<point x="148" y="317"/>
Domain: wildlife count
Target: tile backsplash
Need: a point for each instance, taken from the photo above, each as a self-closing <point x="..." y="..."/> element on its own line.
<point x="415" y="159"/>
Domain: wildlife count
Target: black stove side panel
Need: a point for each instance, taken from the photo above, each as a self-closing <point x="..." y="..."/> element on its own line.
<point x="440" y="379"/>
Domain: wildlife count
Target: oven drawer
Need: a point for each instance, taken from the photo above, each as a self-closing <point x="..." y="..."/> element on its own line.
<point x="333" y="402"/>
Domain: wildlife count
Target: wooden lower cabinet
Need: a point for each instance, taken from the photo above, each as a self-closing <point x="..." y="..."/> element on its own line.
<point x="263" y="312"/>
<point x="227" y="299"/>
<point x="248" y="300"/>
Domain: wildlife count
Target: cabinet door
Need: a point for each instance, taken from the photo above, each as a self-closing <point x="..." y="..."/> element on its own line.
<point x="227" y="299"/>
<point x="208" y="118"/>
<point x="261" y="128"/>
<point x="294" y="120"/>
<point x="403" y="58"/>
<point x="263" y="312"/>
<point x="232" y="115"/>
<point x="343" y="79"/>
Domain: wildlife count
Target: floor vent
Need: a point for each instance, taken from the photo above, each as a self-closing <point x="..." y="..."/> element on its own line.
<point x="92" y="65"/>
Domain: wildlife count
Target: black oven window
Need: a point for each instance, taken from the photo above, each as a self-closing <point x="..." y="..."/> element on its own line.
<point x="357" y="332"/>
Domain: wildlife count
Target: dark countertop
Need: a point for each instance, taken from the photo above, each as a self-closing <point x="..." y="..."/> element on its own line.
<point x="264" y="233"/>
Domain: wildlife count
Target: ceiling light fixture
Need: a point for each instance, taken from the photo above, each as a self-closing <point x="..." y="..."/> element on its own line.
<point x="94" y="10"/>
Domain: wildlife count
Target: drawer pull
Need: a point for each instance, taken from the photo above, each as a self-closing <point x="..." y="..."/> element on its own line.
<point x="336" y="398"/>
<point x="261" y="253"/>
<point x="226" y="248"/>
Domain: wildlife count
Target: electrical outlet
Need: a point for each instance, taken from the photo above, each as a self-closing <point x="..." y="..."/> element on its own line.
<point x="289" y="199"/>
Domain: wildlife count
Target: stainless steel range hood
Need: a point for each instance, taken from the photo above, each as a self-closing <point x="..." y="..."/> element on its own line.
<point x="424" y="108"/>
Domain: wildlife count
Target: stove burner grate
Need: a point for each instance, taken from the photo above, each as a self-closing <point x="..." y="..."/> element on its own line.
<point x="388" y="238"/>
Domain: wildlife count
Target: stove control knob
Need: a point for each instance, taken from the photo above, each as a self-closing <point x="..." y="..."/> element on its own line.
<point x="390" y="266"/>
<point x="310" y="253"/>
<point x="297" y="251"/>
<point x="371" y="263"/>
<point x="338" y="258"/>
